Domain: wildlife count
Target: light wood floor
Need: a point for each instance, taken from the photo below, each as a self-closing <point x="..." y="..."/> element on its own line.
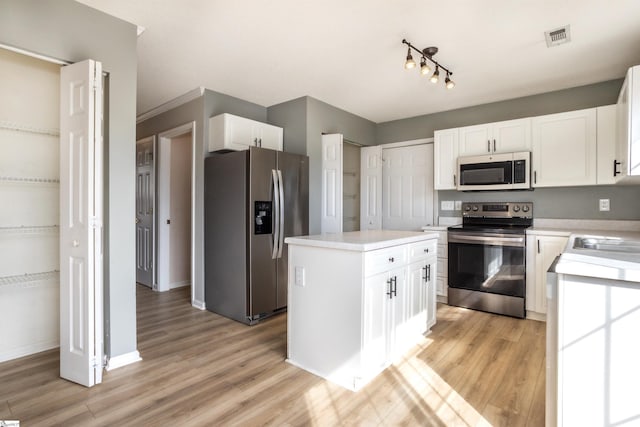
<point x="202" y="369"/>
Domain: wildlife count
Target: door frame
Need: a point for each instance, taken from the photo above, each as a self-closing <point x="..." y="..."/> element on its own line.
<point x="163" y="181"/>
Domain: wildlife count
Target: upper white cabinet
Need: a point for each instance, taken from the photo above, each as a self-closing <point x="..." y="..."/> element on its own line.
<point x="606" y="145"/>
<point x="628" y="128"/>
<point x="500" y="137"/>
<point x="229" y="132"/>
<point x="564" y="149"/>
<point x="445" y="149"/>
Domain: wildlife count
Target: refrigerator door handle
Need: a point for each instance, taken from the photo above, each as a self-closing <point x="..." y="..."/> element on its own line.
<point x="281" y="213"/>
<point x="276" y="210"/>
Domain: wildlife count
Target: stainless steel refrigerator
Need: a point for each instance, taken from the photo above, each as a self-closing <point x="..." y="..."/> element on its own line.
<point x="253" y="200"/>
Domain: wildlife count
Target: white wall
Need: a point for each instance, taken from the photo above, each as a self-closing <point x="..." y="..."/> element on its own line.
<point x="29" y="238"/>
<point x="180" y="211"/>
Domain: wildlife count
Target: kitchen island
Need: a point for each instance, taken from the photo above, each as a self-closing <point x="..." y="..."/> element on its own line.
<point x="358" y="300"/>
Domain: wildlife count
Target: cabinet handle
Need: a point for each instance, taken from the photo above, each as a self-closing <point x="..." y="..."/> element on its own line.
<point x="494" y="145"/>
<point x="454" y="180"/>
<point x="426" y="250"/>
<point x="425" y="273"/>
<point x="260" y="142"/>
<point x="535" y="177"/>
<point x="428" y="272"/>
<point x="391" y="259"/>
<point x="390" y="292"/>
<point x="255" y="141"/>
<point x="488" y="146"/>
<point x="616" y="172"/>
<point x="538" y="241"/>
<point x="395" y="286"/>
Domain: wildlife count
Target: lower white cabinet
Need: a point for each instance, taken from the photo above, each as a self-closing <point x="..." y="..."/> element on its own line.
<point x="542" y="250"/>
<point x="442" y="282"/>
<point x="352" y="313"/>
<point x="229" y="132"/>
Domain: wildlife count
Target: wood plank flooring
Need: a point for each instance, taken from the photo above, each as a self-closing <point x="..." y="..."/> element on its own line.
<point x="199" y="368"/>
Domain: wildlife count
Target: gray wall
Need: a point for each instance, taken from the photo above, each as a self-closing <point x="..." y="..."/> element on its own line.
<point x="199" y="110"/>
<point x="570" y="202"/>
<point x="304" y="121"/>
<point x="73" y="32"/>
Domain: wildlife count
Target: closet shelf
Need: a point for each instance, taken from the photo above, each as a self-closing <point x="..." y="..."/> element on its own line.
<point x="29" y="180"/>
<point x="30" y="129"/>
<point x="27" y="279"/>
<point x="34" y="229"/>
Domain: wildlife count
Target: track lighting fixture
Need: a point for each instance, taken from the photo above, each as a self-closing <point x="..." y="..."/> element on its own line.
<point x="426" y="54"/>
<point x="410" y="63"/>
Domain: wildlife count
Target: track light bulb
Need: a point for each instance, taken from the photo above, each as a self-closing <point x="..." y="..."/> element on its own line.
<point x="435" y="76"/>
<point x="410" y="62"/>
<point x="449" y="83"/>
<point x="424" y="67"/>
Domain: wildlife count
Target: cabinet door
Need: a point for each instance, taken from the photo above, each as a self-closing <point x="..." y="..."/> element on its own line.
<point x="415" y="305"/>
<point x="377" y="312"/>
<point x="547" y="249"/>
<point x="475" y="140"/>
<point x="430" y="288"/>
<point x="399" y="334"/>
<point x="564" y="149"/>
<point x="511" y="136"/>
<point x="606" y="143"/>
<point x="239" y="133"/>
<point x="269" y="136"/>
<point x="445" y="146"/>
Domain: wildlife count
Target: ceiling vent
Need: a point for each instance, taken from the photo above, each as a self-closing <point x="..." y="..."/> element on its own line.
<point x="558" y="36"/>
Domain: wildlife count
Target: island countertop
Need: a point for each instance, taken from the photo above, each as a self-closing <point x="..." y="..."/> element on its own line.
<point x="362" y="241"/>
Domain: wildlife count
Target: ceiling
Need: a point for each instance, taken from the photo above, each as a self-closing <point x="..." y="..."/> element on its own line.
<point x="349" y="54"/>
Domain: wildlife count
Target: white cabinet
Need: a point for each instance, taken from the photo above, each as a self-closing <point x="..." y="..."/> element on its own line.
<point x="442" y="268"/>
<point x="354" y="312"/>
<point x="628" y="128"/>
<point x="500" y="137"/>
<point x="542" y="250"/>
<point x="564" y="149"/>
<point x="445" y="149"/>
<point x="229" y="132"/>
<point x="606" y="143"/>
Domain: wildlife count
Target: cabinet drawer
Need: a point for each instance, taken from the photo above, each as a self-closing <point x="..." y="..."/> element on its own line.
<point x="421" y="250"/>
<point x="384" y="259"/>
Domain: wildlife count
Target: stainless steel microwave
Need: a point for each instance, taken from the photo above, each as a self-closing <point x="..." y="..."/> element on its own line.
<point x="506" y="171"/>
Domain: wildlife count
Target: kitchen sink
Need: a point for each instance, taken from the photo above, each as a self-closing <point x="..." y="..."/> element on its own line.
<point x="607" y="244"/>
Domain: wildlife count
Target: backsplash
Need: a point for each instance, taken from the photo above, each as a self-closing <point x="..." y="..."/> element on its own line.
<point x="561" y="203"/>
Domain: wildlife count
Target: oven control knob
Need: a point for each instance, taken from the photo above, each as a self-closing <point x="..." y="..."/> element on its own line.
<point x="475" y="208"/>
<point x="525" y="208"/>
<point x="516" y="208"/>
<point x="467" y="208"/>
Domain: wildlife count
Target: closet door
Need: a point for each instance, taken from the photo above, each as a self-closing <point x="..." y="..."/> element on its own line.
<point x="145" y="210"/>
<point x="81" y="223"/>
<point x="407" y="173"/>
<point x="331" y="216"/>
<point x="371" y="188"/>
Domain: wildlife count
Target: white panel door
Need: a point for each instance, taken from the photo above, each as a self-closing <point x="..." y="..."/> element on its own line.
<point x="331" y="217"/>
<point x="407" y="202"/>
<point x="145" y="210"/>
<point x="371" y="188"/>
<point x="81" y="223"/>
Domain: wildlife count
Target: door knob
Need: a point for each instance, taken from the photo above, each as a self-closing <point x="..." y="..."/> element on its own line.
<point x="137" y="220"/>
<point x="75" y="243"/>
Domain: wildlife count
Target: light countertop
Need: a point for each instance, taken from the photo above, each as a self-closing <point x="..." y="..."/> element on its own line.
<point x="361" y="240"/>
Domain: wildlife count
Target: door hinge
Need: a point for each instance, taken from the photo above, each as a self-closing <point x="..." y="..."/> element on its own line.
<point x="94" y="363"/>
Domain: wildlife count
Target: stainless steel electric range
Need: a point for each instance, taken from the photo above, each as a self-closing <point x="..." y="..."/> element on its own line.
<point x="487" y="257"/>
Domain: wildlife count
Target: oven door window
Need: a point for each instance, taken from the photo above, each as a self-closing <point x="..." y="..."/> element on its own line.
<point x="487" y="268"/>
<point x="486" y="173"/>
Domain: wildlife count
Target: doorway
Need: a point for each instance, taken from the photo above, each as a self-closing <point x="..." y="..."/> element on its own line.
<point x="175" y="210"/>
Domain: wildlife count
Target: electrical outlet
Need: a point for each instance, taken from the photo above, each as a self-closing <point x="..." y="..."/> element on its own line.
<point x="446" y="205"/>
<point x="299" y="279"/>
<point x="458" y="205"/>
<point x="604" y="205"/>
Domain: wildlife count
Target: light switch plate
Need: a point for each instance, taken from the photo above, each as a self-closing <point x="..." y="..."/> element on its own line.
<point x="458" y="205"/>
<point x="604" y="205"/>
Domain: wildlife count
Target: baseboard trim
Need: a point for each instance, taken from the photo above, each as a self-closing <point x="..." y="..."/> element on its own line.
<point x="182" y="284"/>
<point x="28" y="350"/>
<point x="122" y="360"/>
<point x="198" y="304"/>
